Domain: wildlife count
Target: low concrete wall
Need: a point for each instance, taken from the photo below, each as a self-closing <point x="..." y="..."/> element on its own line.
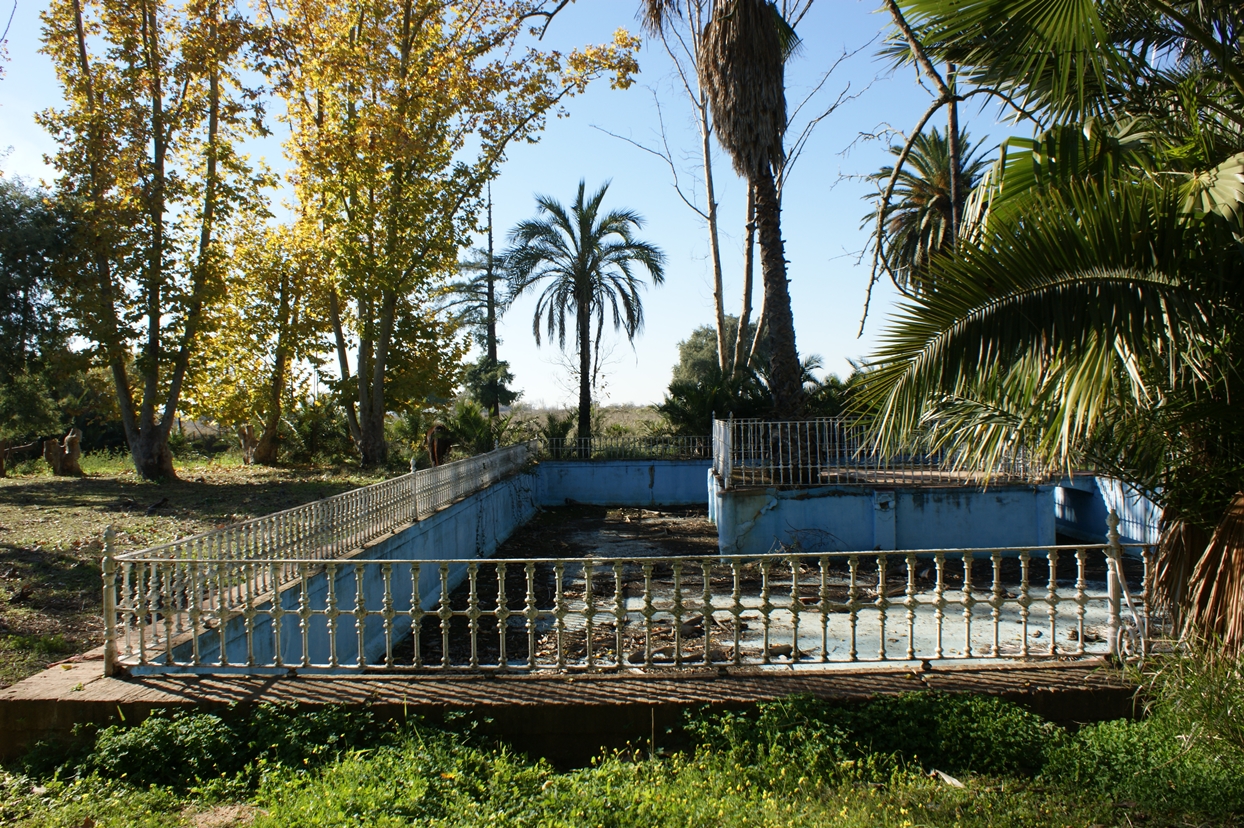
<point x="1082" y="503"/>
<point x="848" y="518"/>
<point x="472" y="528"/>
<point x="623" y="482"/>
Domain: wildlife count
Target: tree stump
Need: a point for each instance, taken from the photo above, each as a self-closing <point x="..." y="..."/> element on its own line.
<point x="63" y="457"/>
<point x="246" y="436"/>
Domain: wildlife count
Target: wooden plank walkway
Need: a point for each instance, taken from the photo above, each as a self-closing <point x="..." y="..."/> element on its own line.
<point x="565" y="718"/>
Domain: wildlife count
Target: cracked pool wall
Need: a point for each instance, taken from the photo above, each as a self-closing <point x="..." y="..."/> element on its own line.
<point x="849" y="518"/>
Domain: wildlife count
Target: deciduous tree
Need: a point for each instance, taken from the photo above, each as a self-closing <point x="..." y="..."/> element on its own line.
<point x="400" y="112"/>
<point x="267" y="325"/>
<point x="154" y="108"/>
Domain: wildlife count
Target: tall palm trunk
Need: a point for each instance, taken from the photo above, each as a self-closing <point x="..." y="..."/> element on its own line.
<point x="785" y="375"/>
<point x="584" y="325"/>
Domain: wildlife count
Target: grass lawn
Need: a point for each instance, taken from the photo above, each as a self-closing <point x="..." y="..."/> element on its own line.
<point x="51" y="537"/>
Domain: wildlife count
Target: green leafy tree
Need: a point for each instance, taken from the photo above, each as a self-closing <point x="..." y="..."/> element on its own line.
<point x="584" y="261"/>
<point x="400" y="112"/>
<point x="33" y="232"/>
<point x="488" y="383"/>
<point x="26" y="411"/>
<point x="1094" y="318"/>
<point x="154" y="106"/>
<point x="478" y="302"/>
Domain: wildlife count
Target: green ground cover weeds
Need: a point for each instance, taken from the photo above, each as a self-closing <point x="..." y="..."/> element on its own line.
<point x="798" y="762"/>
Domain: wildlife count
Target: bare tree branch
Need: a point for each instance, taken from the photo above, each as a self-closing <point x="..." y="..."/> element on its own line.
<point x="548" y="16"/>
<point x="665" y="154"/>
<point x="884" y="207"/>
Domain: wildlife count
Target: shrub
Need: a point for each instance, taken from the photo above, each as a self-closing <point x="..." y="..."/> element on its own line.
<point x="953" y="733"/>
<point x="173" y="751"/>
<point x="1152" y="762"/>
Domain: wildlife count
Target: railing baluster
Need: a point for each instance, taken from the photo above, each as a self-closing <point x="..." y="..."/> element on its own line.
<point x="909" y="601"/>
<point x="883" y="603"/>
<point x="416" y="616"/>
<point x="503" y="617"/>
<point x="969" y="603"/>
<point x="589" y="614"/>
<point x="823" y="594"/>
<point x="1024" y="600"/>
<point x="1081" y="597"/>
<point x="532" y="614"/>
<point x="766" y="608"/>
<point x="1051" y="598"/>
<point x="331" y="612"/>
<point x="939" y="600"/>
<point x="706" y="607"/>
<point x="794" y="608"/>
<point x="853" y="604"/>
<point x="473" y="613"/>
<point x="445" y="613"/>
<point x="277" y="614"/>
<point x="360" y="615"/>
<point x="248" y="611"/>
<point x="304" y="614"/>
<point x="559" y="612"/>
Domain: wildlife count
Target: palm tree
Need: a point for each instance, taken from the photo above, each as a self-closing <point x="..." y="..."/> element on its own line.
<point x="585" y="260"/>
<point x="1094" y="318"/>
<point x="742" y="68"/>
<point x="920" y="221"/>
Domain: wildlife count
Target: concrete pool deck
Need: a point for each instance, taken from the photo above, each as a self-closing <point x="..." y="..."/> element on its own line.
<point x="566" y="718"/>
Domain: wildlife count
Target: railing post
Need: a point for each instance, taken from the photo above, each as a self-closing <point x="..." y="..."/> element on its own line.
<point x="1113" y="569"/>
<point x="414" y="493"/>
<point x="110" y="604"/>
<point x="729" y="450"/>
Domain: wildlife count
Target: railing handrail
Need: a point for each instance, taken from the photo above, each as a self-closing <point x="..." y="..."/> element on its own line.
<point x="714" y="556"/>
<point x="359" y="493"/>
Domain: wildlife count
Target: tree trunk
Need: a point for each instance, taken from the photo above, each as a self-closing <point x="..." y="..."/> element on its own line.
<point x="584" y="326"/>
<point x="742" y="353"/>
<point x="266" y="450"/>
<point x="952" y="147"/>
<point x="343" y="364"/>
<point x="714" y="245"/>
<point x="150" y="453"/>
<point x="785" y="375"/>
<point x="493" y="384"/>
<point x="374" y="448"/>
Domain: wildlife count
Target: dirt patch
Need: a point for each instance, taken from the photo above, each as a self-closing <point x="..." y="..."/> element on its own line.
<point x="51" y="540"/>
<point x="223" y="816"/>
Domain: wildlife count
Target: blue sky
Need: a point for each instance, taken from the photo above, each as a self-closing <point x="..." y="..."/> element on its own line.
<point x="822" y="208"/>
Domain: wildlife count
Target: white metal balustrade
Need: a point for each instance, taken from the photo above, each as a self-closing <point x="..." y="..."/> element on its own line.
<point x="624" y="614"/>
<point x="323" y="530"/>
<point x="836" y="450"/>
